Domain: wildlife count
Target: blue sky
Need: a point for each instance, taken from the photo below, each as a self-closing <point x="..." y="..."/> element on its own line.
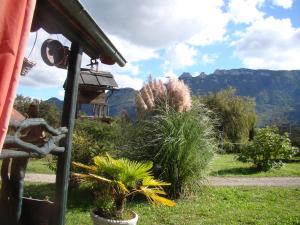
<point x="167" y="38"/>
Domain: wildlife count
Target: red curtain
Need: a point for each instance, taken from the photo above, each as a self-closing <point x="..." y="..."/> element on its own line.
<point x="15" y="22"/>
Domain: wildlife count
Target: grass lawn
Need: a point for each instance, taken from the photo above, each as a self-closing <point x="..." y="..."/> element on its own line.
<point x="37" y="166"/>
<point x="222" y="165"/>
<point x="226" y="165"/>
<point x="215" y="205"/>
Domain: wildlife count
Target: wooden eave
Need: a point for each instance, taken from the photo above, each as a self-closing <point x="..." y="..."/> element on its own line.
<point x="69" y="18"/>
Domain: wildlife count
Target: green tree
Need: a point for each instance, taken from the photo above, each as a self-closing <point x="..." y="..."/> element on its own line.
<point x="50" y="113"/>
<point x="22" y="103"/>
<point x="47" y="110"/>
<point x="235" y="114"/>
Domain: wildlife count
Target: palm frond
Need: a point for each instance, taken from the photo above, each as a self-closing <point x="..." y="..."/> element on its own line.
<point x="82" y="166"/>
<point x="122" y="187"/>
<point x="100" y="178"/>
<point x="91" y="177"/>
<point x="152" y="195"/>
<point x="81" y="176"/>
<point x="149" y="181"/>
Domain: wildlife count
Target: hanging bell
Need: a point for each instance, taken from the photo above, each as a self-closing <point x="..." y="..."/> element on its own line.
<point x="55" y="54"/>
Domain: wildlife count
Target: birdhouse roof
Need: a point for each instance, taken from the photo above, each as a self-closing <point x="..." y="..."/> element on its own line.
<point x="97" y="78"/>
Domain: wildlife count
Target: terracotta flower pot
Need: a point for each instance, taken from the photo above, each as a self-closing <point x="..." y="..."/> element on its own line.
<point x="98" y="220"/>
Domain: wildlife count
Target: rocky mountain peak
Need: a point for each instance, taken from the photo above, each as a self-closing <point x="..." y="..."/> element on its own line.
<point x="185" y="75"/>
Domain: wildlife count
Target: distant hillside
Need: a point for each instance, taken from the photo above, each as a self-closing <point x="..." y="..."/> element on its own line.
<point x="277" y="93"/>
<point x="118" y="100"/>
<point x="123" y="99"/>
<point x="56" y="101"/>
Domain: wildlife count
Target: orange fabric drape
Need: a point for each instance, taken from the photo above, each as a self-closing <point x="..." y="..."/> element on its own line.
<point x="15" y="22"/>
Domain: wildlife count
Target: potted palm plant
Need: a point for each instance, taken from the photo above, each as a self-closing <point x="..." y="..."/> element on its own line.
<point x="113" y="181"/>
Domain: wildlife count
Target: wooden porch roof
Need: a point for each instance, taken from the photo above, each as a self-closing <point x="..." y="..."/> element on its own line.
<point x="70" y="18"/>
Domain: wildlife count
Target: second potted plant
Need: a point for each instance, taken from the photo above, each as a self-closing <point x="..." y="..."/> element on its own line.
<point x="113" y="181"/>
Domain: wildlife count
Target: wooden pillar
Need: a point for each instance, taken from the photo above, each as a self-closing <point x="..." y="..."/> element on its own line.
<point x="68" y="120"/>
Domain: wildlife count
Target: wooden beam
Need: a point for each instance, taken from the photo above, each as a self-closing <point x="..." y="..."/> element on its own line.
<point x="68" y="120"/>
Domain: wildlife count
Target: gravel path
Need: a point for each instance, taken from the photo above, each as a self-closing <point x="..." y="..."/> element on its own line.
<point x="215" y="181"/>
<point x="37" y="177"/>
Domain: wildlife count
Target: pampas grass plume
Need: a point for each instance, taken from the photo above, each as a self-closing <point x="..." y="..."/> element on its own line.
<point x="174" y="94"/>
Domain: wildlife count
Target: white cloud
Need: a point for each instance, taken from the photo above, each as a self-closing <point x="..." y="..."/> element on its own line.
<point x="180" y="55"/>
<point x="156" y="23"/>
<point x="286" y="4"/>
<point x="133" y="52"/>
<point x="209" y="58"/>
<point x="167" y="75"/>
<point x="129" y="69"/>
<point x="133" y="69"/>
<point x="271" y="44"/>
<point x="127" y="81"/>
<point x="43" y="76"/>
<point x="245" y="11"/>
<point x="61" y="94"/>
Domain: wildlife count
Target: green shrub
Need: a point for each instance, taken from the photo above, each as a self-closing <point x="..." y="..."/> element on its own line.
<point x="93" y="138"/>
<point x="180" y="144"/>
<point x="268" y="149"/>
<point x="228" y="147"/>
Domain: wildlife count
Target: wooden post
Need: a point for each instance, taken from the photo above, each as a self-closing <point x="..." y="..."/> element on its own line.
<point x="68" y="120"/>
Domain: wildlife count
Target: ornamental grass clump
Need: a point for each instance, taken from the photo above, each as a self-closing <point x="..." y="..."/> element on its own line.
<point x="180" y="144"/>
<point x="114" y="180"/>
<point x="176" y="136"/>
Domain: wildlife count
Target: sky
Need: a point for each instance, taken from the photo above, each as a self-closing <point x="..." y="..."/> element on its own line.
<point x="164" y="38"/>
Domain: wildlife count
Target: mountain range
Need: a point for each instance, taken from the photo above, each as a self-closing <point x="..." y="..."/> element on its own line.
<point x="277" y="93"/>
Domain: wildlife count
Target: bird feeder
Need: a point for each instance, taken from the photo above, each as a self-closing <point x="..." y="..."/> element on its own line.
<point x="91" y="90"/>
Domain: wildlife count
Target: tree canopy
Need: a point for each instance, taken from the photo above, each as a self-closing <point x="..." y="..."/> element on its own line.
<point x="235" y="114"/>
<point x="47" y="111"/>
